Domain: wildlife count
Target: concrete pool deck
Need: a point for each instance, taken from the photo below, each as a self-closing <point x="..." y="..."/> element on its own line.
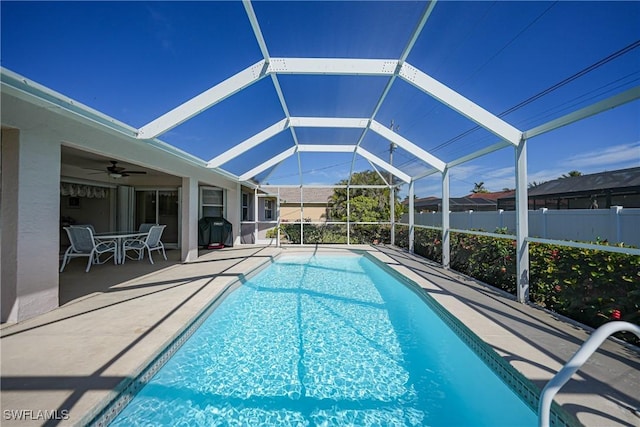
<point x="114" y="318"/>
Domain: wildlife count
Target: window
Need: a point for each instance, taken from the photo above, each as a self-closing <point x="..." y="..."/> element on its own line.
<point x="268" y="209"/>
<point x="245" y="207"/>
<point x="211" y="202"/>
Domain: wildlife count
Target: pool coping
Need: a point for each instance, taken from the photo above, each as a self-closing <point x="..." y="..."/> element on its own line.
<point x="118" y="398"/>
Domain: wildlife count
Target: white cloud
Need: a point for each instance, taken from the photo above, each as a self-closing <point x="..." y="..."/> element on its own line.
<point x="607" y="157"/>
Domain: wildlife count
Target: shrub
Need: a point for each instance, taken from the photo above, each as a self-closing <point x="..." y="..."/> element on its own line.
<point x="586" y="285"/>
<point x="590" y="286"/>
<point x="489" y="259"/>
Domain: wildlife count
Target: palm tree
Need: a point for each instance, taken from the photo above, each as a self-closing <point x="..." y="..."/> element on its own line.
<point x="478" y="187"/>
<point x="571" y="174"/>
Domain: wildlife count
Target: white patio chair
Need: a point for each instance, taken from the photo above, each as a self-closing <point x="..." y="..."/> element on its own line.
<point x="90" y="226"/>
<point x="151" y="242"/>
<point x="145" y="227"/>
<point x="83" y="244"/>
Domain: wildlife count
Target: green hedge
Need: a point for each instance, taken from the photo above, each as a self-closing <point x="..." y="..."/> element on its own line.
<point x="335" y="233"/>
<point x="589" y="286"/>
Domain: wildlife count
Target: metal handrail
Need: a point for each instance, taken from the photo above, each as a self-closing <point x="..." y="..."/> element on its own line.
<point x="579" y="358"/>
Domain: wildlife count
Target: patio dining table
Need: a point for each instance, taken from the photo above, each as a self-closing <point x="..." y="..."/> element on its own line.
<point x="120" y="237"/>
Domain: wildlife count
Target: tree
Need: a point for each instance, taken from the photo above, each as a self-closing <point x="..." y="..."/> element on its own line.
<point x="571" y="174"/>
<point x="406" y="198"/>
<point x="366" y="204"/>
<point x="478" y="187"/>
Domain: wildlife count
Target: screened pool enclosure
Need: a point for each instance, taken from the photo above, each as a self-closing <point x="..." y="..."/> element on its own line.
<point x="365" y="140"/>
<point x="431" y="97"/>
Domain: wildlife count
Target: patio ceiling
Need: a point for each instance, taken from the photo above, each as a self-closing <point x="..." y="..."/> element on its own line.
<point x="78" y="164"/>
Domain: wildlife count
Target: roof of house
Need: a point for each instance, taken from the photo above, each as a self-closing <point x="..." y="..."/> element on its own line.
<point x="468" y="200"/>
<point x="492" y="195"/>
<point x="310" y="195"/>
<point x="454" y="201"/>
<point x="595" y="182"/>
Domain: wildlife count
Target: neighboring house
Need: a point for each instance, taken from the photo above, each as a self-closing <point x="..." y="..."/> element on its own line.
<point x="495" y="195"/>
<point x="259" y="214"/>
<point x="472" y="202"/>
<point x="597" y="190"/>
<point x="257" y="222"/>
<point x="312" y="204"/>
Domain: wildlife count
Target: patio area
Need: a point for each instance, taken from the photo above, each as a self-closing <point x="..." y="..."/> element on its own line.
<point x="113" y="319"/>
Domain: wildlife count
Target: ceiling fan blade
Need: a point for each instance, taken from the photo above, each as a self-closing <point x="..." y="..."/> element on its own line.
<point x="134" y="172"/>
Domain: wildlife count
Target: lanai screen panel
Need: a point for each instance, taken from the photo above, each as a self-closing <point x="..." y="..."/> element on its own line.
<point x="325" y="168"/>
<point x="428" y="123"/>
<point x="377" y="29"/>
<point x="328" y="136"/>
<point x="255" y="156"/>
<point x="552" y="57"/>
<point x="133" y="61"/>
<point x="229" y="122"/>
<point x="332" y="95"/>
<point x="524" y="62"/>
<point x="379" y="146"/>
<point x="286" y="173"/>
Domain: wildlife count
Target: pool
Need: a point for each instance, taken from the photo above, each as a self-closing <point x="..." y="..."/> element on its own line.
<point x="326" y="341"/>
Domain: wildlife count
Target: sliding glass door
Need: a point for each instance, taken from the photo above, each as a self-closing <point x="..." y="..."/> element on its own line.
<point x="160" y="206"/>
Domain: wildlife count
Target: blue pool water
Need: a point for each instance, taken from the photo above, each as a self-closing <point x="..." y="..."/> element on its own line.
<point x="327" y="341"/>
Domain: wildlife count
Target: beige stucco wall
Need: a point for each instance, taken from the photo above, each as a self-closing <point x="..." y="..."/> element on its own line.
<point x="291" y="213"/>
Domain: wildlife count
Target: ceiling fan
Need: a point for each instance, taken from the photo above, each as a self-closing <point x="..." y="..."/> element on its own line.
<point x="116" y="171"/>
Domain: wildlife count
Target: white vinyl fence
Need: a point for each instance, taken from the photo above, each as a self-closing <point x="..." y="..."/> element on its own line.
<point x="616" y="225"/>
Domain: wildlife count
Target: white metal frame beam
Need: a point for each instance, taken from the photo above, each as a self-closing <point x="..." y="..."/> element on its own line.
<point x="490" y="149"/>
<point x="522" y="224"/>
<point x="329" y="122"/>
<point x="266" y="165"/>
<point x="327" y="148"/>
<point x="459" y="103"/>
<point x="591" y="110"/>
<point x="384" y="165"/>
<point x="352" y="66"/>
<point x="249" y="143"/>
<point x="205" y="100"/>
<point x="403" y="57"/>
<point x="407" y="145"/>
<point x="326" y="122"/>
<point x="253" y="19"/>
<point x="333" y="66"/>
<point x="446" y="219"/>
<point x="255" y="25"/>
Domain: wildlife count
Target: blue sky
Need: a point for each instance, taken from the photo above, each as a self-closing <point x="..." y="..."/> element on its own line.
<point x="137" y="60"/>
